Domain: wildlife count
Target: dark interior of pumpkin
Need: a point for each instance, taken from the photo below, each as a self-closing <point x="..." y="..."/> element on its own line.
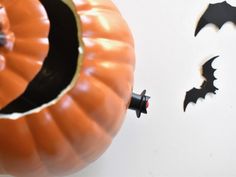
<point x="60" y="65"/>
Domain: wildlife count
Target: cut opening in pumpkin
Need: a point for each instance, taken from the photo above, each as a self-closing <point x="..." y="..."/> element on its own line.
<point x="60" y="65"/>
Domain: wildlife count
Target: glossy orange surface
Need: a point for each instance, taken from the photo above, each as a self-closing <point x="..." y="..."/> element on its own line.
<point x="26" y="45"/>
<point x="68" y="135"/>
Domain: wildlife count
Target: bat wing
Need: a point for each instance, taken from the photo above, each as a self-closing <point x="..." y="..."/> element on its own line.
<point x="217" y="14"/>
<point x="192" y="96"/>
<point x="207" y="86"/>
<point x="208" y="72"/>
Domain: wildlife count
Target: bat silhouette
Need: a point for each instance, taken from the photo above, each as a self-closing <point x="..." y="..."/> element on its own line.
<point x="207" y="86"/>
<point x="217" y="14"/>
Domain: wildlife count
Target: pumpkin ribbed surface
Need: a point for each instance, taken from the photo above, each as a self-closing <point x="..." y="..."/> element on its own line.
<point x="24" y="30"/>
<point x="68" y="135"/>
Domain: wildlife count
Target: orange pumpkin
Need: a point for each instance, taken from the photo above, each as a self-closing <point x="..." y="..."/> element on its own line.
<point x="70" y="131"/>
<point x="22" y="48"/>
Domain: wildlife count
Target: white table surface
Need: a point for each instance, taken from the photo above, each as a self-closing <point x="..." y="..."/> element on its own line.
<point x="168" y="142"/>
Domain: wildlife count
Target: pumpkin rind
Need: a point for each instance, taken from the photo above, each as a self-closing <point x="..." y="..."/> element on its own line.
<point x="27" y="21"/>
<point x="78" y="128"/>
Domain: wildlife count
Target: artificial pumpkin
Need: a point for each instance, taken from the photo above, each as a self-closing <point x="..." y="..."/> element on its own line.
<point x="67" y="131"/>
<point x="22" y="48"/>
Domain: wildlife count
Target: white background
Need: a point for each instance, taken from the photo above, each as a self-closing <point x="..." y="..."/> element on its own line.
<point x="168" y="142"/>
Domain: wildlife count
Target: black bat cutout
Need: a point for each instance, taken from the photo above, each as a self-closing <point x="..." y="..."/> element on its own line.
<point x="207" y="86"/>
<point x="217" y="14"/>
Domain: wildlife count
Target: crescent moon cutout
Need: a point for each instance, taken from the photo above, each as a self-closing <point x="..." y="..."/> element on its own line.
<point x="60" y="64"/>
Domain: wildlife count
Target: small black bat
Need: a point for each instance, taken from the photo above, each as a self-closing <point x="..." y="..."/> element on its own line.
<point x="207" y="86"/>
<point x="217" y="14"/>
